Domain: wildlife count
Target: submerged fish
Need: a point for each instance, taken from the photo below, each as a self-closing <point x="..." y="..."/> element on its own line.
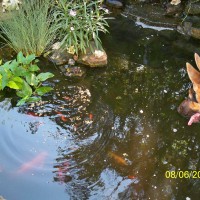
<point x="90" y="116"/>
<point x="32" y="114"/>
<point x="62" y="116"/>
<point x="120" y="160"/>
<point x="35" y="162"/>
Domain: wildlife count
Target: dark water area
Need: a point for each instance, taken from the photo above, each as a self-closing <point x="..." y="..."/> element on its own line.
<point x="112" y="134"/>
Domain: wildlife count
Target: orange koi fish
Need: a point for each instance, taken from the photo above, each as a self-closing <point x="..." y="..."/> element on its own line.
<point x="90" y="116"/>
<point x="131" y="177"/>
<point x="66" y="98"/>
<point x="32" y="114"/>
<point x="62" y="117"/>
<point x="117" y="158"/>
<point x="34" y="163"/>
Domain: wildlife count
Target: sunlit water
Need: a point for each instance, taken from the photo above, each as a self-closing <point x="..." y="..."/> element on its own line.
<point x="111" y="134"/>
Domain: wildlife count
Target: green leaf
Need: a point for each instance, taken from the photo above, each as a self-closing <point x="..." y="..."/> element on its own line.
<point x="20" y="57"/>
<point x="5" y="81"/>
<point x="22" y="101"/>
<point x="33" y="99"/>
<point x="25" y="91"/>
<point x="14" y="85"/>
<point x="44" y="76"/>
<point x="34" y="68"/>
<point x="43" y="90"/>
<point x="17" y="79"/>
<point x="13" y="65"/>
<point x="19" y="71"/>
<point x="29" y="59"/>
<point x="32" y="79"/>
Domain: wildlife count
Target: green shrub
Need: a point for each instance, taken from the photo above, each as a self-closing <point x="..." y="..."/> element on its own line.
<point x="79" y="22"/>
<point x="20" y="74"/>
<point x="30" y="29"/>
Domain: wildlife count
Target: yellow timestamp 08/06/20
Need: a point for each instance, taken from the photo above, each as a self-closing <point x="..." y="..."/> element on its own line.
<point x="182" y="174"/>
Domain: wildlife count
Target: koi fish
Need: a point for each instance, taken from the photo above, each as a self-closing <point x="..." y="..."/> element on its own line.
<point x="32" y="114"/>
<point x="117" y="158"/>
<point x="90" y="116"/>
<point x="34" y="163"/>
<point x="131" y="177"/>
<point x="62" y="117"/>
<point x="66" y="98"/>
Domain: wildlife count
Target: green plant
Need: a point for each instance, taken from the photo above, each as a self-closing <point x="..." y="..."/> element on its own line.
<point x="20" y="74"/>
<point x="30" y="29"/>
<point x="79" y="22"/>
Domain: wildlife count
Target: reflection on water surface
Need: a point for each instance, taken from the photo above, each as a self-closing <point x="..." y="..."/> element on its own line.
<point x="110" y="135"/>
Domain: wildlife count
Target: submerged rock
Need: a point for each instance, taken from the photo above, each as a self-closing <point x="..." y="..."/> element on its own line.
<point x="114" y="3"/>
<point x="193" y="8"/>
<point x="188" y="29"/>
<point x="174" y="9"/>
<point x="97" y="58"/>
<point x="72" y="71"/>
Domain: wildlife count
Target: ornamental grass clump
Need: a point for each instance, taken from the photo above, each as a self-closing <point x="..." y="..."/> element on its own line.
<point x="30" y="29"/>
<point x="80" y="22"/>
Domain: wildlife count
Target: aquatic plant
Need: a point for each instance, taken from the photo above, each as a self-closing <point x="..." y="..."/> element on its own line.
<point x="79" y="22"/>
<point x="29" y="29"/>
<point x="21" y="74"/>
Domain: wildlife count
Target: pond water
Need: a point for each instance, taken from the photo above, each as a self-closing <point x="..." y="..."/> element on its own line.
<point x="112" y="134"/>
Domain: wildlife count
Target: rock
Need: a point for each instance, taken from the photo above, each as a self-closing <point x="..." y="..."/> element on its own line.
<point x="114" y="4"/>
<point x="9" y="5"/>
<point x="174" y="9"/>
<point x="195" y="32"/>
<point x="71" y="61"/>
<point x="57" y="55"/>
<point x="72" y="71"/>
<point x="175" y="2"/>
<point x="193" y="8"/>
<point x="98" y="58"/>
<point x="188" y="29"/>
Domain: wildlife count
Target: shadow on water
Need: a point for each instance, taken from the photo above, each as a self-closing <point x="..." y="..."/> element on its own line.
<point x="110" y="135"/>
